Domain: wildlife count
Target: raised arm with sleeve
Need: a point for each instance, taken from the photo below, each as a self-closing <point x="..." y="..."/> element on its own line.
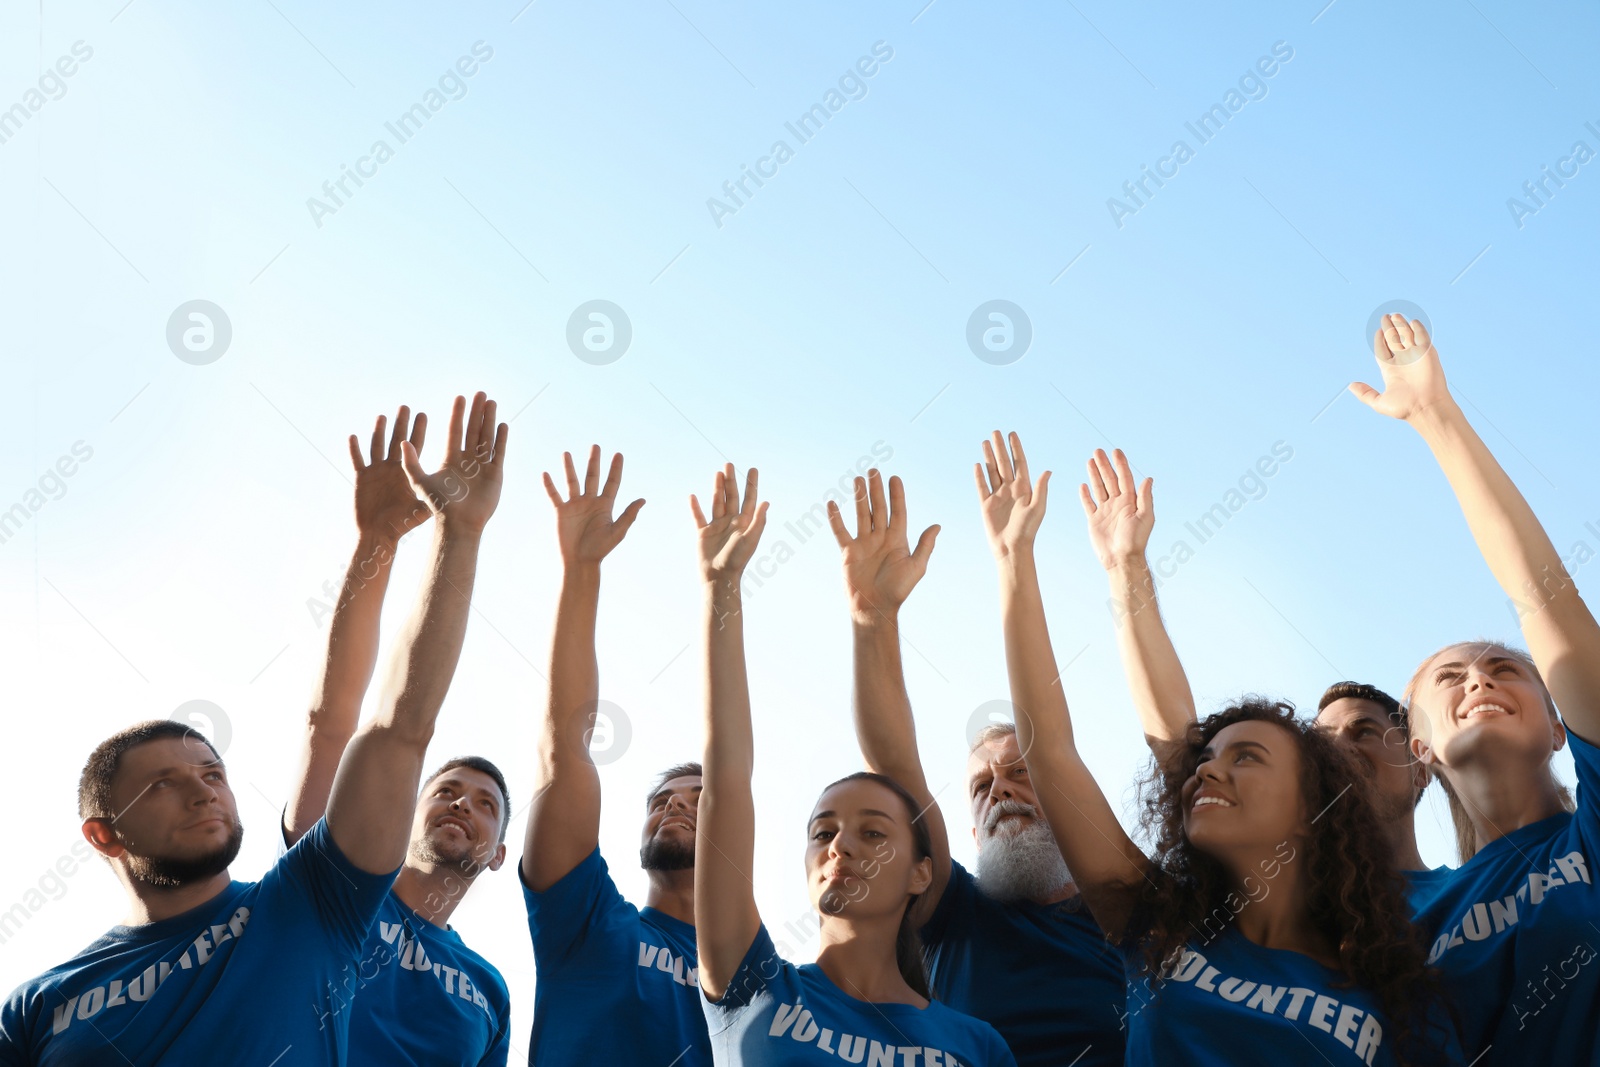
<point x="880" y="571"/>
<point x="1106" y="865"/>
<point x="725" y="916"/>
<point x="1120" y="521"/>
<point x="1561" y="632"/>
<point x="564" y="818"/>
<point x="386" y="510"/>
<point x="375" y="791"/>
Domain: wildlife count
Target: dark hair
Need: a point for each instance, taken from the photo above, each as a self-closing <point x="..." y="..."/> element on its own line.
<point x="1355" y="897"/>
<point x="1371" y="693"/>
<point x="907" y="945"/>
<point x="94" y="784"/>
<point x="677" y="770"/>
<point x="478" y="763"/>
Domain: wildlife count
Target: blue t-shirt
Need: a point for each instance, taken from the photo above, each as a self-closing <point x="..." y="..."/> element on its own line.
<point x="1516" y="932"/>
<point x="774" y="1014"/>
<point x="1233" y="1003"/>
<point x="616" y="984"/>
<point x="425" y="997"/>
<point x="1041" y="974"/>
<point x="259" y="974"/>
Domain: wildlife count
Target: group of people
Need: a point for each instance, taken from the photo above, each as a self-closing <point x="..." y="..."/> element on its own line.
<point x="1279" y="909"/>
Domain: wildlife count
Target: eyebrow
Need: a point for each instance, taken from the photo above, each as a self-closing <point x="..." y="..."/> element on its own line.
<point x="1209" y="753"/>
<point x="864" y="811"/>
<point x="1490" y="660"/>
<point x="168" y="770"/>
<point x="658" y="794"/>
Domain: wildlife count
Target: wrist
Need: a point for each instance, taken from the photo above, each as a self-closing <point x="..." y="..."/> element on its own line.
<point x="868" y="617"/>
<point x="1435" y="419"/>
<point x="580" y="573"/>
<point x="457" y="530"/>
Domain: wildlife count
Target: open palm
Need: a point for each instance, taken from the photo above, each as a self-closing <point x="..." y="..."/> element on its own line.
<point x="728" y="539"/>
<point x="1013" y="507"/>
<point x="880" y="570"/>
<point x="1413" y="380"/>
<point x="386" y="505"/>
<point x="465" y="489"/>
<point x="1120" y="516"/>
<point x="584" y="525"/>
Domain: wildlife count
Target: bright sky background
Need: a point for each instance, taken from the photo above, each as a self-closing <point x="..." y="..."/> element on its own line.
<point x="824" y="317"/>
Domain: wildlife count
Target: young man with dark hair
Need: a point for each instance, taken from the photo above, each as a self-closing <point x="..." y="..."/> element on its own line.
<point x="206" y="969"/>
<point x="419" y="994"/>
<point x="1121" y="517"/>
<point x="1011" y="945"/>
<point x="616" y="983"/>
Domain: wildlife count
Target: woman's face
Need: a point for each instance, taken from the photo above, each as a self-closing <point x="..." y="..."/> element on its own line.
<point x="1243" y="799"/>
<point x="859" y="852"/>
<point x="1475" y="698"/>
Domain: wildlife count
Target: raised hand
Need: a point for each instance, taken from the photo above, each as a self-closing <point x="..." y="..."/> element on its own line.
<point x="465" y="490"/>
<point x="729" y="538"/>
<point x="386" y="505"/>
<point x="1413" y="380"/>
<point x="584" y="525"/>
<point x="1120" y="516"/>
<point x="879" y="570"/>
<point x="1013" y="507"/>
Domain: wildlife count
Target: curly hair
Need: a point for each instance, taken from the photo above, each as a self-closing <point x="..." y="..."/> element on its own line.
<point x="1356" y="898"/>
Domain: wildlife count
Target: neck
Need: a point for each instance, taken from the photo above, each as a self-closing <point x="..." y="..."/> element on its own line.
<point x="859" y="958"/>
<point x="151" y="904"/>
<point x="1403" y="844"/>
<point x="1502" y="799"/>
<point x="431" y="891"/>
<point x="1280" y="918"/>
<point x="672" y="893"/>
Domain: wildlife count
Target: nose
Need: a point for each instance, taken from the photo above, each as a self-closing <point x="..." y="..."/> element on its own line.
<point x="1000" y="788"/>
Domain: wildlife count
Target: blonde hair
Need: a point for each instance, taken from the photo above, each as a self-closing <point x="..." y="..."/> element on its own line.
<point x="1467" y="843"/>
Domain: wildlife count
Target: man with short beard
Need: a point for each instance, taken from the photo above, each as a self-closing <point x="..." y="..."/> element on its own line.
<point x="209" y="970"/>
<point x="422" y="995"/>
<point x="616" y="984"/>
<point x="1012" y="946"/>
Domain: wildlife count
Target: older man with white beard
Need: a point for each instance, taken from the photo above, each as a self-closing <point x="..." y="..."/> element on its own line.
<point x="1012" y="945"/>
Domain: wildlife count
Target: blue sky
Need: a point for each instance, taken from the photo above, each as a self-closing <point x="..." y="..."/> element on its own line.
<point x="824" y="318"/>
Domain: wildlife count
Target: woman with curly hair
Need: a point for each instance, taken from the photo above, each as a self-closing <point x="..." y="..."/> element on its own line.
<point x="1516" y="927"/>
<point x="1268" y="921"/>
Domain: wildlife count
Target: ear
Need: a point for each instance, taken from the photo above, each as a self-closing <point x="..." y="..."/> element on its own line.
<point x="976" y="840"/>
<point x="1422" y="752"/>
<point x="1560" y="732"/>
<point x="498" y="858"/>
<point x="102" y="838"/>
<point x="922" y="875"/>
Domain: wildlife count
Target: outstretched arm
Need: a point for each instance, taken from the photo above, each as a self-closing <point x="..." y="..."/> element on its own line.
<point x="1105" y="863"/>
<point x="879" y="573"/>
<point x="1560" y="630"/>
<point x="386" y="510"/>
<point x="725" y="917"/>
<point x="564" y="820"/>
<point x="369" y="812"/>
<point x="1120" y="521"/>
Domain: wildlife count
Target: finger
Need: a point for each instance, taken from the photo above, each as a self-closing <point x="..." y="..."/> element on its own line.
<point x="758" y="523"/>
<point x="1088" y="501"/>
<point x="551" y="491"/>
<point x="1391" y="337"/>
<point x="983" y="483"/>
<point x="1097" y="484"/>
<point x="458" y="421"/>
<point x="991" y="467"/>
<point x="1002" y="460"/>
<point x="1380" y="347"/>
<point x="1108" y="476"/>
<point x="375" y="450"/>
<point x="613" y="477"/>
<point x="1041" y="492"/>
<point x="863" y="515"/>
<point x="474" y="425"/>
<point x="924" y="547"/>
<point x="419" y="433"/>
<point x="355" y="453"/>
<point x="624" y="522"/>
<point x="752" y="482"/>
<point x="402" y="425"/>
<point x="572" y="476"/>
<point x="719" y="500"/>
<point x="502" y="437"/>
<point x="487" y="427"/>
<point x="591" y="472"/>
<point x="879" y="509"/>
<point x="897" y="504"/>
<point x="1403" y="328"/>
<point x="1125" y="480"/>
<point x="1420" y="333"/>
<point x="841" y="533"/>
<point x="1365" y="393"/>
<point x="1147" y="497"/>
<point x="1019" y="459"/>
<point x="413" y="467"/>
<point x="730" y="491"/>
<point x="699" y="516"/>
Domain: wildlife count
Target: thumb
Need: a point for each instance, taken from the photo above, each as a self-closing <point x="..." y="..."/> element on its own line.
<point x="1041" y="491"/>
<point x="413" y="466"/>
<point x="625" y="520"/>
<point x="1365" y="393"/>
<point x="924" y="547"/>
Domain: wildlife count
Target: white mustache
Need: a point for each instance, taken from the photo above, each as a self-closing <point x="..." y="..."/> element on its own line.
<point x="1004" y="808"/>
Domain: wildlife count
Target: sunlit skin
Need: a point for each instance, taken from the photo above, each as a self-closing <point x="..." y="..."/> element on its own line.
<point x="671" y="815"/>
<point x="1242" y="806"/>
<point x="1484" y="722"/>
<point x="996" y="771"/>
<point x="1397" y="777"/>
<point x="170" y="800"/>
<point x="859" y="850"/>
<point x="459" y="816"/>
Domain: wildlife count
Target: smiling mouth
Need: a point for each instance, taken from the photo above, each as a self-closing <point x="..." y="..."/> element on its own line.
<point x="1480" y="709"/>
<point x="456" y="823"/>
<point x="1211" y="802"/>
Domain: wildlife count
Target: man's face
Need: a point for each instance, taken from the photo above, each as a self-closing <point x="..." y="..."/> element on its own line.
<point x="175" y="819"/>
<point x="667" y="841"/>
<point x="1366" y="726"/>
<point x="457" y="822"/>
<point x="997" y="775"/>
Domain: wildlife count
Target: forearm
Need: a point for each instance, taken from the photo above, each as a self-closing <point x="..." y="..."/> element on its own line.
<point x="1030" y="659"/>
<point x="885" y="728"/>
<point x="574" y="668"/>
<point x="430" y="645"/>
<point x="730" y="741"/>
<point x="1156" y="679"/>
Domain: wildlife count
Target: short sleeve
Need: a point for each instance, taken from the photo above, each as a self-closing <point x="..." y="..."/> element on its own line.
<point x="345" y="898"/>
<point x="564" y="917"/>
<point x="13" y="1031"/>
<point x="1586" y="757"/>
<point x="954" y="909"/>
<point x="760" y="969"/>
